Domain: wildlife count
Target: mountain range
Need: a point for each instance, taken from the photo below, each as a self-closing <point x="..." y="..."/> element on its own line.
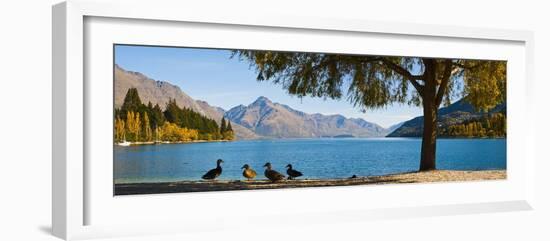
<point x="270" y="119"/>
<point x="456" y="113"/>
<point x="260" y="119"/>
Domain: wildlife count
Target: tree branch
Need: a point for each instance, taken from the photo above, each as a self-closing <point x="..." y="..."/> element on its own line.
<point x="417" y="86"/>
<point x="406" y="74"/>
<point x="464" y="66"/>
<point x="402" y="71"/>
<point x="444" y="82"/>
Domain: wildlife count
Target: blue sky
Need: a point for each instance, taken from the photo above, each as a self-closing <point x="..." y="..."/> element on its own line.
<point x="211" y="75"/>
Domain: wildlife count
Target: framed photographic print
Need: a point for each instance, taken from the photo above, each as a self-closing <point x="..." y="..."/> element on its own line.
<point x="169" y="112"/>
<point x="217" y="127"/>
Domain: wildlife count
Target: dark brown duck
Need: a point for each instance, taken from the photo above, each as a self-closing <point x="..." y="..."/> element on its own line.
<point x="292" y="173"/>
<point x="272" y="175"/>
<point x="214" y="173"/>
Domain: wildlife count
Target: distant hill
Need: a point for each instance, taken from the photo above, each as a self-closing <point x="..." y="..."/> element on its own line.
<point x="276" y="120"/>
<point x="156" y="92"/>
<point x="460" y="112"/>
<point x="159" y="92"/>
<point x="395" y="126"/>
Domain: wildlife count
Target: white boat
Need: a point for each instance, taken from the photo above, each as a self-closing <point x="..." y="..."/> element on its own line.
<point x="124" y="143"/>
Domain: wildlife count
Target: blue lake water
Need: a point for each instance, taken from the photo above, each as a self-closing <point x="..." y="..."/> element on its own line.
<point x="316" y="158"/>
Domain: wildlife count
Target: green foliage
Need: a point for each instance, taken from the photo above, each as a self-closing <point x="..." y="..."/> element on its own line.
<point x="223" y="126"/>
<point x="368" y="83"/>
<point x="157" y="117"/>
<point x="485" y="83"/>
<point x="172" y="113"/>
<point x="377" y="81"/>
<point x="208" y="128"/>
<point x="227" y="130"/>
<point x="132" y="102"/>
<point x="135" y="122"/>
<point x="491" y="126"/>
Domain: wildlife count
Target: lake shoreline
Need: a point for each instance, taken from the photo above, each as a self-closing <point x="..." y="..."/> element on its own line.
<point x="140" y="143"/>
<point x="232" y="185"/>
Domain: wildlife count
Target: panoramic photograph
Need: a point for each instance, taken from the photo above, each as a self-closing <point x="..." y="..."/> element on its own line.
<point x="197" y="119"/>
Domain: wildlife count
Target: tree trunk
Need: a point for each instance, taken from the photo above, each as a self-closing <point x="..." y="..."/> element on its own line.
<point x="429" y="136"/>
<point x="430" y="105"/>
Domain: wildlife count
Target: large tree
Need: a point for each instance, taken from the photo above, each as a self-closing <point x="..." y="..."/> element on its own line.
<point x="132" y="102"/>
<point x="372" y="82"/>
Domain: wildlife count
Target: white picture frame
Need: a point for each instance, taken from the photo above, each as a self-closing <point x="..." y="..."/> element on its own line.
<point x="82" y="207"/>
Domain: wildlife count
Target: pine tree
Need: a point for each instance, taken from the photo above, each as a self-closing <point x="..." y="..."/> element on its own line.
<point x="229" y="133"/>
<point x="158" y="116"/>
<point x="173" y="112"/>
<point x="132" y="102"/>
<point x="223" y="126"/>
<point x="229" y="128"/>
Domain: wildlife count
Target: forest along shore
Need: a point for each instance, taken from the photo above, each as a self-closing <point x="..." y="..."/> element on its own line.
<point x="137" y="143"/>
<point x="221" y="185"/>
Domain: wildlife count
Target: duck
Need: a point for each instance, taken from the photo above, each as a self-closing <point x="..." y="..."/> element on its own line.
<point x="291" y="172"/>
<point x="248" y="172"/>
<point x="272" y="175"/>
<point x="214" y="173"/>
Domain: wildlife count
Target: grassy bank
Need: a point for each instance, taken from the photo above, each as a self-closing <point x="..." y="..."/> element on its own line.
<point x="202" y="186"/>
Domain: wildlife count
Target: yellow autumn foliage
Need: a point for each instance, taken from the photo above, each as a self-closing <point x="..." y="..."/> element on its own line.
<point x="119" y="130"/>
<point x="171" y="132"/>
